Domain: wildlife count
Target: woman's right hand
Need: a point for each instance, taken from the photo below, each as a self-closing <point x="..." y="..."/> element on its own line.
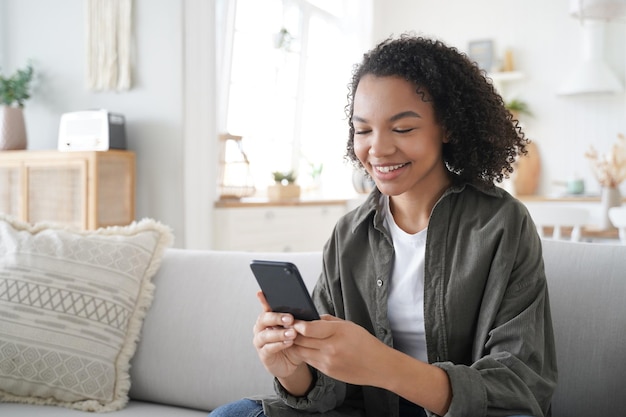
<point x="273" y="336"/>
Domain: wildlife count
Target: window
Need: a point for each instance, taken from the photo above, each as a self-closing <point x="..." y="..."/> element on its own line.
<point x="291" y="64"/>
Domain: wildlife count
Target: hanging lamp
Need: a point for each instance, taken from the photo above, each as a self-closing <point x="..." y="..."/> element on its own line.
<point x="593" y="75"/>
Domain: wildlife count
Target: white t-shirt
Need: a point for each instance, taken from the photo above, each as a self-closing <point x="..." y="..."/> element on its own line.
<point x="405" y="307"/>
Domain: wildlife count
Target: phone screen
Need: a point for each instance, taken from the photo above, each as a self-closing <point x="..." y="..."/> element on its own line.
<point x="284" y="288"/>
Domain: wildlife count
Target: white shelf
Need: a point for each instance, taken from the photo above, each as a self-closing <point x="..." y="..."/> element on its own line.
<point x="506" y="76"/>
<point x="501" y="78"/>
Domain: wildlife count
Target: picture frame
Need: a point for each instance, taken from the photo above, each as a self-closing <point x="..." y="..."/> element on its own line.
<point x="481" y="52"/>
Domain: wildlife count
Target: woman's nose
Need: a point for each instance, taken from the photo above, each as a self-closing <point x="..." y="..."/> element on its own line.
<point x="381" y="145"/>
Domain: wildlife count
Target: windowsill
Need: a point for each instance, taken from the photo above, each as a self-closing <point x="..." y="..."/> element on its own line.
<point x="264" y="202"/>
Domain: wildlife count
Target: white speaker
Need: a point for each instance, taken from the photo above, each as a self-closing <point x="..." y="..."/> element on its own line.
<point x="92" y="130"/>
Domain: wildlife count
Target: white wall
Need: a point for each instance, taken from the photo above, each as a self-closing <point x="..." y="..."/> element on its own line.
<point x="52" y="34"/>
<point x="546" y="45"/>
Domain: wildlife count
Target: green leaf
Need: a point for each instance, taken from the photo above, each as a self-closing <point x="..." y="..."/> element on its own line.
<point x="15" y="90"/>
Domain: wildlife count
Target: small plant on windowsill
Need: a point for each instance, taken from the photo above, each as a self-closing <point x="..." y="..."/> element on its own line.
<point x="284" y="186"/>
<point x="284" y="178"/>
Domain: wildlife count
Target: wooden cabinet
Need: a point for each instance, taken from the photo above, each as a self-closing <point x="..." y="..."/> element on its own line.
<point x="86" y="190"/>
<point x="276" y="228"/>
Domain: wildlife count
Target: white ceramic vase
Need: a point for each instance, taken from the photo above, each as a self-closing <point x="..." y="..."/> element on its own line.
<point x="12" y="129"/>
<point x="610" y="197"/>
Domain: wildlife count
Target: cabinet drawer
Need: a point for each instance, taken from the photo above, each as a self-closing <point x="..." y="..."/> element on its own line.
<point x="299" y="228"/>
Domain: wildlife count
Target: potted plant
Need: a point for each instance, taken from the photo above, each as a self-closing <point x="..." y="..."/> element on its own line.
<point x="284" y="186"/>
<point x="517" y="107"/>
<point x="14" y="91"/>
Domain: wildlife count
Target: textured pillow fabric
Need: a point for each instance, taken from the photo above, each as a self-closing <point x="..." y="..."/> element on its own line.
<point x="71" y="308"/>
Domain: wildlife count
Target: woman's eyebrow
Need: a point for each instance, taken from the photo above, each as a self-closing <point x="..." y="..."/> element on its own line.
<point x="408" y="113"/>
<point x="394" y="118"/>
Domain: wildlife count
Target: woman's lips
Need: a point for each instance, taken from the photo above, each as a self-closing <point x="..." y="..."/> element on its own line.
<point x="388" y="172"/>
<point x="385" y="169"/>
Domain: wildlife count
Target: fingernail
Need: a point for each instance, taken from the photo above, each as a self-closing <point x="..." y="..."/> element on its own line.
<point x="290" y="333"/>
<point x="285" y="319"/>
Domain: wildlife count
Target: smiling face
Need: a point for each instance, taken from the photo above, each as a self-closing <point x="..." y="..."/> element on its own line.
<point x="397" y="138"/>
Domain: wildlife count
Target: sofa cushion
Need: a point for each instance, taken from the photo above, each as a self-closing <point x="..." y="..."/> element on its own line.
<point x="71" y="309"/>
<point x="132" y="409"/>
<point x="587" y="283"/>
<point x="196" y="348"/>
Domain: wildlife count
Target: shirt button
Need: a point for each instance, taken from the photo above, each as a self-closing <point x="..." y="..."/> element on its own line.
<point x="379" y="282"/>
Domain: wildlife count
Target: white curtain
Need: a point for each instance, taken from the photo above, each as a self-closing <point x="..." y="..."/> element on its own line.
<point x="225" y="31"/>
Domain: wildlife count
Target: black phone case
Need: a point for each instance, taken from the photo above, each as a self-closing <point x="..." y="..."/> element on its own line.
<point x="284" y="288"/>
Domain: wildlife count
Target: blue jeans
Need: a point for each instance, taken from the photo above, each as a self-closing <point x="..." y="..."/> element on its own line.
<point x="241" y="408"/>
<point x="249" y="408"/>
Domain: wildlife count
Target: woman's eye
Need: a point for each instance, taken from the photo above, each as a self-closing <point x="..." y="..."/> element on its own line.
<point x="361" y="131"/>
<point x="407" y="130"/>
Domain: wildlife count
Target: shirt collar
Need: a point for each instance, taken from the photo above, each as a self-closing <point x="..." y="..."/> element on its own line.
<point x="371" y="206"/>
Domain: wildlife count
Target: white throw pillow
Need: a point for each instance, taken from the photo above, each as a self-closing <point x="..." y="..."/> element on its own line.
<point x="72" y="305"/>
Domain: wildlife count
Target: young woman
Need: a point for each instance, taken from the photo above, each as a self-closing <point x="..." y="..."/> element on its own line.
<point x="433" y="290"/>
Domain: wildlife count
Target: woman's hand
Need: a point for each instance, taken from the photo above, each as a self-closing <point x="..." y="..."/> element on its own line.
<point x="274" y="337"/>
<point x="346" y="351"/>
<point x="341" y="349"/>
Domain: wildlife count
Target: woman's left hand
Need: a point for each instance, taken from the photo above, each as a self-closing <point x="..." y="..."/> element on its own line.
<point x="347" y="352"/>
<point x="342" y="350"/>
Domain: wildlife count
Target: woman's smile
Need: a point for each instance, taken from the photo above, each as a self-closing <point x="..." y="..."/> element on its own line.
<point x="384" y="169"/>
<point x="388" y="172"/>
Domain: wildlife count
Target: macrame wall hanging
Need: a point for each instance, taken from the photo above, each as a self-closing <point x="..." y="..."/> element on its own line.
<point x="108" y="45"/>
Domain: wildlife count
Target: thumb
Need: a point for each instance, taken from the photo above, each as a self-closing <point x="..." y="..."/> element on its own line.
<point x="264" y="303"/>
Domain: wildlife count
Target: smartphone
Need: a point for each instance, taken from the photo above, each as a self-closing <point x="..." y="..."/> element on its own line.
<point x="284" y="288"/>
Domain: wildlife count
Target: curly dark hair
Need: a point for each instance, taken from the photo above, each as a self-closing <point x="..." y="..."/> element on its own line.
<point x="484" y="139"/>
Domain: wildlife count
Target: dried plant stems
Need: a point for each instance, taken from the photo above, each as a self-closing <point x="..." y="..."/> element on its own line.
<point x="610" y="168"/>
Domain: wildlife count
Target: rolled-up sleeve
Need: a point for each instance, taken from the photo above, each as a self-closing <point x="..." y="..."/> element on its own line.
<point x="325" y="395"/>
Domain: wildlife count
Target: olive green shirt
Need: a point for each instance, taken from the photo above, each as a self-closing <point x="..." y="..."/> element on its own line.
<point x="486" y="308"/>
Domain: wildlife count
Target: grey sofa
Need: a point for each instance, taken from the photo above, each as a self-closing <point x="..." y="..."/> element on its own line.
<point x="195" y="352"/>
